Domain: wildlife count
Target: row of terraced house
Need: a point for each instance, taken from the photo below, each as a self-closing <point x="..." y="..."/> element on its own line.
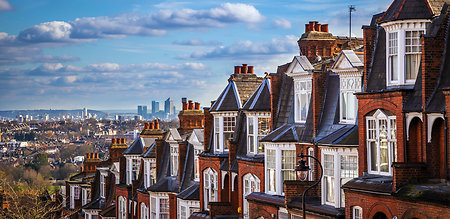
<point x="373" y="111"/>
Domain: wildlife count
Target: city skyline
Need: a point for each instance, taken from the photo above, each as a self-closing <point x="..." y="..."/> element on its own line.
<point x="119" y="54"/>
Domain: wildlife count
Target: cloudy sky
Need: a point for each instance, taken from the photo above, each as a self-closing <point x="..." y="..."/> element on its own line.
<point x="116" y="54"/>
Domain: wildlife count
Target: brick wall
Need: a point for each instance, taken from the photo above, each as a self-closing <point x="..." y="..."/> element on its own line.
<point x="276" y="80"/>
<point x="262" y="210"/>
<point x="213" y="163"/>
<point x="407" y="172"/>
<point x="173" y="205"/>
<point x="220" y="208"/>
<point x="318" y="89"/>
<point x="369" y="34"/>
<point x="246" y="167"/>
<point x="295" y="188"/>
<point x="159" y="152"/>
<point x="142" y="198"/>
<point x="207" y="127"/>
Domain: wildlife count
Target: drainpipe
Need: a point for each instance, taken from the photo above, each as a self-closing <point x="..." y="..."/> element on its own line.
<point x="405" y="148"/>
<point x="445" y="148"/>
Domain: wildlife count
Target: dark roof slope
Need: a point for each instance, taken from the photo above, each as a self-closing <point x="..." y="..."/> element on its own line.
<point x="376" y="79"/>
<point x="137" y="147"/>
<point x="408" y="9"/>
<point x="228" y="100"/>
<point x="260" y="99"/>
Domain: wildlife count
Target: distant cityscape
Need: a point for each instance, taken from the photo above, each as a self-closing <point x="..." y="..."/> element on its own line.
<point x="143" y="113"/>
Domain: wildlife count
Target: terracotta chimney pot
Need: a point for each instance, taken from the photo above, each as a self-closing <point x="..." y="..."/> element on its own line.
<point x="237" y="69"/>
<point x="311" y="26"/>
<point x="184" y="106"/>
<point x="306" y="28"/>
<point x="191" y="105"/>
<point x="324" y="28"/>
<point x="250" y="69"/>
<point x="123" y="140"/>
<point x="197" y="106"/>
<point x="113" y="141"/>
<point x="244" y="68"/>
<point x="152" y="126"/>
<point x="146" y="125"/>
<point x="156" y="124"/>
<point x="319" y="27"/>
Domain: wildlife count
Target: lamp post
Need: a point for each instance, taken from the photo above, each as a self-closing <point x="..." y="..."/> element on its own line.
<point x="302" y="172"/>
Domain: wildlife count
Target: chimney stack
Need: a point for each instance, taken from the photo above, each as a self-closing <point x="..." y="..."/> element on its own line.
<point x="244" y="68"/>
<point x="146" y="126"/>
<point x="184" y="106"/>
<point x="311" y="26"/>
<point x="237" y="69"/>
<point x="324" y="28"/>
<point x="113" y="141"/>
<point x="122" y="140"/>
<point x="191" y="105"/>
<point x="152" y="126"/>
<point x="197" y="106"/>
<point x="250" y="69"/>
<point x="318" y="27"/>
<point x="156" y="124"/>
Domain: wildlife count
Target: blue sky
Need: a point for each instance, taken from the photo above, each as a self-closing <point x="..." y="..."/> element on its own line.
<point x="117" y="54"/>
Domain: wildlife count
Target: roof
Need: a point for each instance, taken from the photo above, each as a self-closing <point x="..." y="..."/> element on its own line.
<point x="286" y="133"/>
<point x="138" y="146"/>
<point x="300" y="64"/>
<point x="228" y="100"/>
<point x="150" y="152"/>
<point x="262" y="197"/>
<point x="314" y="204"/>
<point x="371" y="184"/>
<point x="413" y="101"/>
<point x="199" y="134"/>
<point x="348" y="59"/>
<point x="109" y="211"/>
<point x="260" y="99"/>
<point x="409" y="9"/>
<point x="174" y="134"/>
<point x="376" y="79"/>
<point x="190" y="193"/>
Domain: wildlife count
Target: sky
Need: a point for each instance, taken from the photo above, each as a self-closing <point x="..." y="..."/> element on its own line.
<point x="117" y="54"/>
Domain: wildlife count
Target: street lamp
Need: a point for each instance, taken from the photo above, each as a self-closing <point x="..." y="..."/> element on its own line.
<point x="302" y="172"/>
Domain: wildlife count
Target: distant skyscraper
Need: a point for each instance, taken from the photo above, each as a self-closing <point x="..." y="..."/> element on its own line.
<point x="155" y="107"/>
<point x="144" y="111"/>
<point x="168" y="107"/>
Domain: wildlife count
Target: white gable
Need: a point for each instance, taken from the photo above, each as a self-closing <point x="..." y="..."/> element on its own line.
<point x="343" y="63"/>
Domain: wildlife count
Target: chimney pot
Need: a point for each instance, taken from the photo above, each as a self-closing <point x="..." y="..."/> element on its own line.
<point x="156" y="124"/>
<point x="197" y="106"/>
<point x="191" y="105"/>
<point x="311" y="26"/>
<point x="152" y="126"/>
<point x="306" y="28"/>
<point x="237" y="69"/>
<point x="96" y="155"/>
<point x="319" y="27"/>
<point x="250" y="69"/>
<point x="184" y="106"/>
<point x="113" y="141"/>
<point x="324" y="28"/>
<point x="244" y="68"/>
<point x="146" y="125"/>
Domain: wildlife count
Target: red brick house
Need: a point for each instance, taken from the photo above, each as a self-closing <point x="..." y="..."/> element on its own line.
<point x="402" y="114"/>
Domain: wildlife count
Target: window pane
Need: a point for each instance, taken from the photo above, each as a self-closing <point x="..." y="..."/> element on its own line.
<point x="344" y="105"/>
<point x="393" y="66"/>
<point x="373" y="156"/>
<point x="251" y="126"/>
<point x="412" y="63"/>
<point x="351" y="106"/>
<point x="263" y="126"/>
<point x="251" y="144"/>
<point x="303" y="105"/>
<point x="329" y="188"/>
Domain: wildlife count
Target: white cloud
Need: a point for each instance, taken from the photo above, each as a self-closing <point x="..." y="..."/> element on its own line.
<point x="55" y="31"/>
<point x="286" y="44"/>
<point x="5" y="6"/>
<point x="196" y="42"/>
<point x="282" y="23"/>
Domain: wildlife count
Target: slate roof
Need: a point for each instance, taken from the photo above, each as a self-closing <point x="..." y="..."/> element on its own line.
<point x="260" y="99"/>
<point x="137" y="147"/>
<point x="150" y="152"/>
<point x="262" y="197"/>
<point x="314" y="204"/>
<point x="200" y="135"/>
<point x="289" y="132"/>
<point x="285" y="107"/>
<point x="371" y="183"/>
<point x="408" y="9"/>
<point x="190" y="193"/>
<point x="376" y="79"/>
<point x="351" y="56"/>
<point x="413" y="101"/>
<point x="228" y="100"/>
<point x="109" y="211"/>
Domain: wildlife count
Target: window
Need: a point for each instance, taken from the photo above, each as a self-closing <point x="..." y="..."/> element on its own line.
<point x="85" y="196"/>
<point x="174" y="159"/>
<point x="311" y="164"/>
<point x="357" y="212"/>
<point x="182" y="212"/>
<point x="144" y="211"/>
<point x="258" y="127"/>
<point x="210" y="186"/>
<point x="153" y="207"/>
<point x="413" y="49"/>
<point x="251" y="184"/>
<point x="132" y="170"/>
<point x="122" y="206"/>
<point x="381" y="142"/>
<point x="223" y="132"/>
<point x="339" y="167"/>
<point x="280" y="160"/>
<point x="77" y="192"/>
<point x="152" y="171"/>
<point x="196" y="164"/>
<point x="102" y="185"/>
<point x="302" y="99"/>
<point x="146" y="174"/>
<point x="393" y="56"/>
<point x="164" y="208"/>
<point x="348" y="101"/>
<point x="135" y="171"/>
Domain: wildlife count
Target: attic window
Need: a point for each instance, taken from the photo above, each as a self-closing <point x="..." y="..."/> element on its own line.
<point x="302" y="99"/>
<point x="223" y="131"/>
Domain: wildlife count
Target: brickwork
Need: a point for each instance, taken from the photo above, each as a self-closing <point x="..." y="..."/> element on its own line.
<point x="369" y="34"/>
<point x="407" y="173"/>
<point x="220" y="208"/>
<point x="191" y="117"/>
<point x="246" y="167"/>
<point x="123" y="191"/>
<point x="295" y="188"/>
<point x="318" y="90"/>
<point x="207" y="128"/>
<point x="262" y="210"/>
<point x="142" y="198"/>
<point x="213" y="163"/>
<point x="182" y="158"/>
<point x="173" y="205"/>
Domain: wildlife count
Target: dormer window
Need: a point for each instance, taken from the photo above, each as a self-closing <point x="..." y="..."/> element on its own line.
<point x="258" y="127"/>
<point x="348" y="103"/>
<point x="174" y="159"/>
<point x="223" y="131"/>
<point x="403" y="50"/>
<point x="133" y="165"/>
<point x="302" y="99"/>
<point x="149" y="172"/>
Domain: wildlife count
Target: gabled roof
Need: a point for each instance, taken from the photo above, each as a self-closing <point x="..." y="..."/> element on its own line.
<point x="286" y="133"/>
<point x="150" y="152"/>
<point x="300" y="64"/>
<point x="347" y="59"/>
<point x="137" y="147"/>
<point x="196" y="136"/>
<point x="260" y="99"/>
<point x="409" y="9"/>
<point x="174" y="135"/>
<point x="228" y="100"/>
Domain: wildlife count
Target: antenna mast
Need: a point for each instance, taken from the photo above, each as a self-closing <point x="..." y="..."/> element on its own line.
<point x="351" y="8"/>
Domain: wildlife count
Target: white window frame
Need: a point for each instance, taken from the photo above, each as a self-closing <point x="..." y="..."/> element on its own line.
<point x="400" y="28"/>
<point x="190" y="206"/>
<point x="337" y="174"/>
<point x="250" y="183"/>
<point x="348" y="87"/>
<point x="144" y="211"/>
<point x="156" y="211"/>
<point x="373" y="136"/>
<point x="146" y="173"/>
<point x="149" y="171"/>
<point x="174" y="154"/>
<point x="220" y="130"/>
<point x="210" y="187"/>
<point x="311" y="164"/>
<point x="303" y="88"/>
<point x="133" y="164"/>
<point x="357" y="212"/>
<point x="122" y="206"/>
<point x="103" y="184"/>
<point x="197" y="164"/>
<point x="253" y="144"/>
<point x="278" y="148"/>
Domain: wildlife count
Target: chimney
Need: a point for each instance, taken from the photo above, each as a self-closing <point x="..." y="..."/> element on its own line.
<point x="250" y="69"/>
<point x="122" y="140"/>
<point x="191" y="105"/>
<point x="152" y="126"/>
<point x="324" y="28"/>
<point x="306" y="28"/>
<point x="156" y="124"/>
<point x="96" y="155"/>
<point x="316" y="25"/>
<point x="197" y="106"/>
<point x="244" y="68"/>
<point x="319" y="27"/>
<point x="311" y="26"/>
<point x="237" y="69"/>
<point x="113" y="141"/>
<point x="184" y="106"/>
<point x="146" y="126"/>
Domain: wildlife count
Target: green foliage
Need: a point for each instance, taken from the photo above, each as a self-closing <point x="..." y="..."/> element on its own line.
<point x="25" y="136"/>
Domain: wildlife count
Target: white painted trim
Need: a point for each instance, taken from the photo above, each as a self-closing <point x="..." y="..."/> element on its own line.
<point x="409" y="118"/>
<point x="278" y="147"/>
<point x="430" y="121"/>
<point x="233" y="176"/>
<point x="223" y="173"/>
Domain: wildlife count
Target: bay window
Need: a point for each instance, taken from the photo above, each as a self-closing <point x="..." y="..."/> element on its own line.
<point x="280" y="161"/>
<point x="102" y="185"/>
<point x="133" y="164"/>
<point x="348" y="101"/>
<point x="210" y="186"/>
<point x="311" y="164"/>
<point x="224" y="125"/>
<point x="393" y="56"/>
<point x="174" y="159"/>
<point x="159" y="206"/>
<point x="413" y="50"/>
<point x="381" y="142"/>
<point x="164" y="208"/>
<point x="302" y="99"/>
<point x="186" y="208"/>
<point x="122" y="206"/>
<point x="196" y="164"/>
<point x="135" y="170"/>
<point x="144" y="211"/>
<point x="339" y="167"/>
<point x="153" y="207"/>
<point x="258" y="127"/>
<point x="251" y="184"/>
<point x="149" y="172"/>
